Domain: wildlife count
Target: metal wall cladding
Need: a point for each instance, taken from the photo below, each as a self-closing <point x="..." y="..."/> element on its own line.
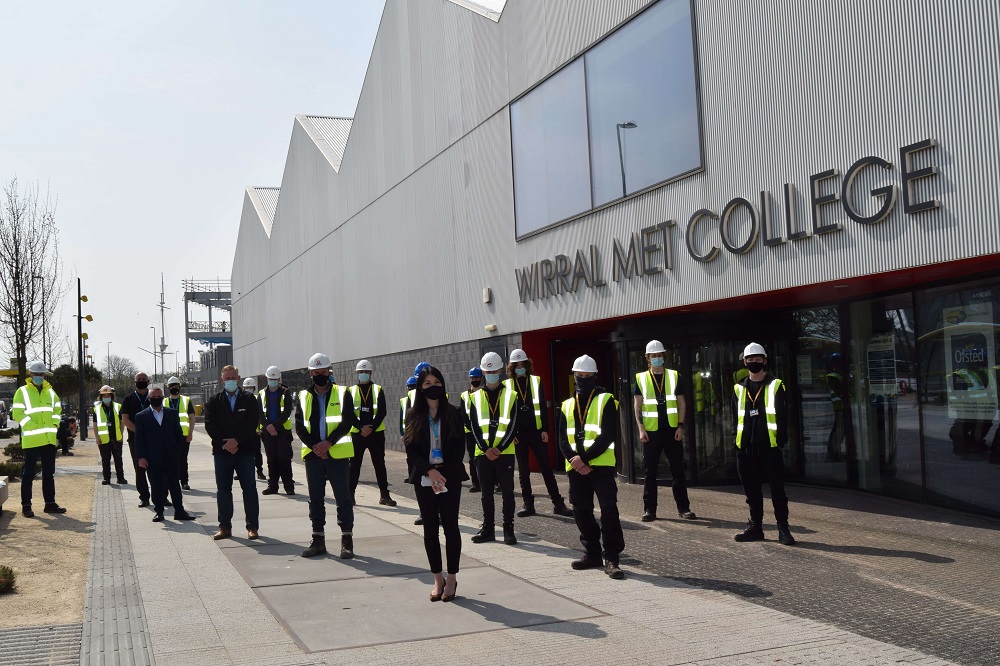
<point x="420" y="217"/>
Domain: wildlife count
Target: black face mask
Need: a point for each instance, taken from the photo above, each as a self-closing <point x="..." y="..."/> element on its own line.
<point x="156" y="402"/>
<point x="141" y="385"/>
<point x="175" y="391"/>
<point x="475" y="384"/>
<point x="585" y="384"/>
<point x="755" y="366"/>
<point x="434" y="392"/>
<point x="321" y="380"/>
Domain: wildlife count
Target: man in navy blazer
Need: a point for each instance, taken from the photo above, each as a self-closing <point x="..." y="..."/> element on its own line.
<point x="158" y="439"/>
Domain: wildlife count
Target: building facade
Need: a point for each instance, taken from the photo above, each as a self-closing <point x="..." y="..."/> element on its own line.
<point x="576" y="178"/>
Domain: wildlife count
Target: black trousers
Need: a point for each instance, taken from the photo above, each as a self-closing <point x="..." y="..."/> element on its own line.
<point x="441" y="511"/>
<point x="583" y="488"/>
<point x="470" y="448"/>
<point x="182" y="461"/>
<point x="375" y="444"/>
<point x="492" y="473"/>
<point x="756" y="467"/>
<point x="109" y="451"/>
<point x="662" y="440"/>
<point x="141" y="480"/>
<point x="528" y="442"/>
<point x="279" y="459"/>
<point x="258" y="457"/>
<point x="47" y="454"/>
<point x="166" y="477"/>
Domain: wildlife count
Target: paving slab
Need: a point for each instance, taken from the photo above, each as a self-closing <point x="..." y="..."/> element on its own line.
<point x="297" y="530"/>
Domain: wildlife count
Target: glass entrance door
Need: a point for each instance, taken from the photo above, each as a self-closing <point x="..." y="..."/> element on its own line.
<point x="715" y="367"/>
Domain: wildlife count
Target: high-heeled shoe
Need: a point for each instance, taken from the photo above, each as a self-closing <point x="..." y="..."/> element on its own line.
<point x="449" y="597"/>
<point x="436" y="597"/>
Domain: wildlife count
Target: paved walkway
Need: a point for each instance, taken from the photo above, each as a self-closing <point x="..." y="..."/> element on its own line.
<point x="169" y="594"/>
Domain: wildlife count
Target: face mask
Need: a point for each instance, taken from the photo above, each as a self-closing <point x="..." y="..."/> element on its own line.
<point x="141" y="385"/>
<point x="434" y="392"/>
<point x="755" y="366"/>
<point x="175" y="391"/>
<point x="656" y="362"/>
<point x="585" y="384"/>
<point x="521" y="372"/>
<point x="272" y="384"/>
<point x="38" y="380"/>
<point x="364" y="377"/>
<point x="321" y="380"/>
<point x="493" y="379"/>
<point x="249" y="390"/>
<point x="231" y="385"/>
<point x="106" y="401"/>
<point x="156" y="402"/>
<point x="476" y="384"/>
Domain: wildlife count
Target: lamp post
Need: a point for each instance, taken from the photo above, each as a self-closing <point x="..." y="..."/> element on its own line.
<point x="621" y="156"/>
<point x="80" y="300"/>
<point x="154" y="353"/>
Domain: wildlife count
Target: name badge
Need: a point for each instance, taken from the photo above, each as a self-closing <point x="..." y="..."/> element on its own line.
<point x="437" y="456"/>
<point x="366" y="409"/>
<point x="494" y="423"/>
<point x="660" y="400"/>
<point x="754" y="412"/>
<point x="525" y="409"/>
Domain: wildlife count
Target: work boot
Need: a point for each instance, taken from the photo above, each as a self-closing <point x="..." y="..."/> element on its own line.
<point x="317" y="547"/>
<point x="185" y="486"/>
<point x="346" y="546"/>
<point x="687" y="515"/>
<point x="587" y="562"/>
<point x="528" y="509"/>
<point x="485" y="533"/>
<point x="785" y="535"/>
<point x="269" y="491"/>
<point x="508" y="535"/>
<point x="260" y="475"/>
<point x="27" y="512"/>
<point x="753" y="532"/>
<point x="560" y="509"/>
<point x="613" y="570"/>
<point x="385" y="500"/>
<point x="52" y="507"/>
<point x="474" y="489"/>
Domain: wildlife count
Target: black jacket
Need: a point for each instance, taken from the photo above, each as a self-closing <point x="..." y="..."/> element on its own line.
<point x="755" y="435"/>
<point x="158" y="444"/>
<point x="609" y="431"/>
<point x="477" y="432"/>
<point x="418" y="452"/>
<point x="311" y="439"/>
<point x="240" y="423"/>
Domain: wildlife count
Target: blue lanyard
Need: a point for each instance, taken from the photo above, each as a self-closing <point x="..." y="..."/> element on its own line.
<point x="142" y="403"/>
<point x="435" y="428"/>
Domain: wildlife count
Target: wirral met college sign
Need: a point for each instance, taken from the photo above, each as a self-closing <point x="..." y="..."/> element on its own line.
<point x="650" y="250"/>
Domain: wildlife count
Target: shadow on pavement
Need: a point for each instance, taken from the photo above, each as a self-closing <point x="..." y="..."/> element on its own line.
<point x="529" y="621"/>
<point x="746" y="590"/>
<point x="870" y="550"/>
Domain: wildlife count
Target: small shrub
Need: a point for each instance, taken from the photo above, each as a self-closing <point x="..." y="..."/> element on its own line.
<point x="13" y="469"/>
<point x="7" y="577"/>
<point x="14" y="451"/>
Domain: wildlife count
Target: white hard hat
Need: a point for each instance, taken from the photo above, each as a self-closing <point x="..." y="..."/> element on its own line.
<point x="655" y="347"/>
<point x="173" y="380"/>
<point x="318" y="362"/>
<point x="105" y="389"/>
<point x="364" y="364"/>
<point x="584" y="364"/>
<point x="754" y="349"/>
<point x="249" y="381"/>
<point x="491" y="362"/>
<point x="37" y="368"/>
<point x="273" y="372"/>
<point x="518" y="356"/>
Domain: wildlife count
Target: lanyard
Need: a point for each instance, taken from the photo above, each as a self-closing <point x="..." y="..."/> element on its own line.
<point x="658" y="388"/>
<point x="435" y="436"/>
<point x="143" y="403"/>
<point x="493" y="408"/>
<point x="517" y="387"/>
<point x="753" y="400"/>
<point x="580" y="416"/>
<point x="364" y="398"/>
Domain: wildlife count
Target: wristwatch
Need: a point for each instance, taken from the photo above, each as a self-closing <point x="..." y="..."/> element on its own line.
<point x="680" y="425"/>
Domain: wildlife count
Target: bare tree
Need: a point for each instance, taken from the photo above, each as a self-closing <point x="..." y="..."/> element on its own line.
<point x="119" y="373"/>
<point x="30" y="277"/>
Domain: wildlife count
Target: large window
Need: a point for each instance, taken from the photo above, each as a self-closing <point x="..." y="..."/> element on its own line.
<point x="620" y="119"/>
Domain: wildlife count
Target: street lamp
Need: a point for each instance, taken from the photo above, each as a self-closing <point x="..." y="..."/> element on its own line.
<point x="81" y="338"/>
<point x="621" y="157"/>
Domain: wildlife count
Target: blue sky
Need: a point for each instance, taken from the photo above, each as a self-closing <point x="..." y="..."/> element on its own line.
<point x="148" y="119"/>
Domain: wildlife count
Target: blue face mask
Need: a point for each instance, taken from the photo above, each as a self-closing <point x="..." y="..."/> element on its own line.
<point x="656" y="362"/>
<point x="364" y="377"/>
<point x="106" y="401"/>
<point x="272" y="384"/>
<point x="231" y="385"/>
<point x="492" y="378"/>
<point x="521" y="372"/>
<point x="37" y="380"/>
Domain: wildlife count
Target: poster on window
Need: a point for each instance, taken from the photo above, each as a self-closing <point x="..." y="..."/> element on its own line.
<point x="969" y="357"/>
<point x="882" y="367"/>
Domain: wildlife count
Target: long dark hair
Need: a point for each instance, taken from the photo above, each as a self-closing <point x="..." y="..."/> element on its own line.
<point x="417" y="416"/>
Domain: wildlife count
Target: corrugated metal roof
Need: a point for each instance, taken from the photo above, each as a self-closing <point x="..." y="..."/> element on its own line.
<point x="491" y="9"/>
<point x="265" y="200"/>
<point x="335" y="132"/>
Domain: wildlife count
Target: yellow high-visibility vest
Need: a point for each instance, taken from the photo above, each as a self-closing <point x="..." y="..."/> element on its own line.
<point x="591" y="429"/>
<point x="287" y="425"/>
<point x="505" y="401"/>
<point x="356" y="394"/>
<point x="39" y="412"/>
<point x="770" y="394"/>
<point x="103" y="431"/>
<point x="342" y="448"/>
<point x="183" y="405"/>
<point x="536" y="400"/>
<point x="650" y="413"/>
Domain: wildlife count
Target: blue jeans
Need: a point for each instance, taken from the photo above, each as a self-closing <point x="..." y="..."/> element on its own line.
<point x="338" y="472"/>
<point x="242" y="464"/>
<point x="47" y="454"/>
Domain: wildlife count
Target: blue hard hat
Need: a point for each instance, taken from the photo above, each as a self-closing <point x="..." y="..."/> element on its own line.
<point x="475" y="372"/>
<point x="412" y="381"/>
<point x="835" y="357"/>
<point x="423" y="365"/>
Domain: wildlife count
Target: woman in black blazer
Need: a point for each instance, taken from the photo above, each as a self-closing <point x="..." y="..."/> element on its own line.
<point x="435" y="449"/>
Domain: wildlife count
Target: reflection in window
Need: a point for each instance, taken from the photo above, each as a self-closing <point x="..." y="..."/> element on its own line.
<point x="643" y="103"/>
<point x="551" y="164"/>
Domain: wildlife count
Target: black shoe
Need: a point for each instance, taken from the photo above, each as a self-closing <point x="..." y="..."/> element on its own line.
<point x="385" y="500"/>
<point x="497" y="490"/>
<point x="406" y="479"/>
<point x="474" y="489"/>
<point x="354" y="502"/>
<point x="167" y="503"/>
<point x="54" y="508"/>
<point x="562" y="510"/>
<point x="612" y="569"/>
<point x="586" y="562"/>
<point x="753" y="532"/>
<point x="418" y="521"/>
<point x="269" y="491"/>
<point x="526" y="510"/>
<point x="106" y="482"/>
<point x="687" y="515"/>
<point x="185" y="486"/>
<point x="648" y="516"/>
<point x="260" y="476"/>
<point x="346" y="546"/>
<point x="183" y="516"/>
<point x="27" y="512"/>
<point x="317" y="547"/>
<point x="158" y="518"/>
<point x="123" y="482"/>
<point x="785" y="535"/>
<point x="508" y="535"/>
<point x="68" y="453"/>
<point x="289" y="491"/>
<point x="484" y="535"/>
<point x="143" y="503"/>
